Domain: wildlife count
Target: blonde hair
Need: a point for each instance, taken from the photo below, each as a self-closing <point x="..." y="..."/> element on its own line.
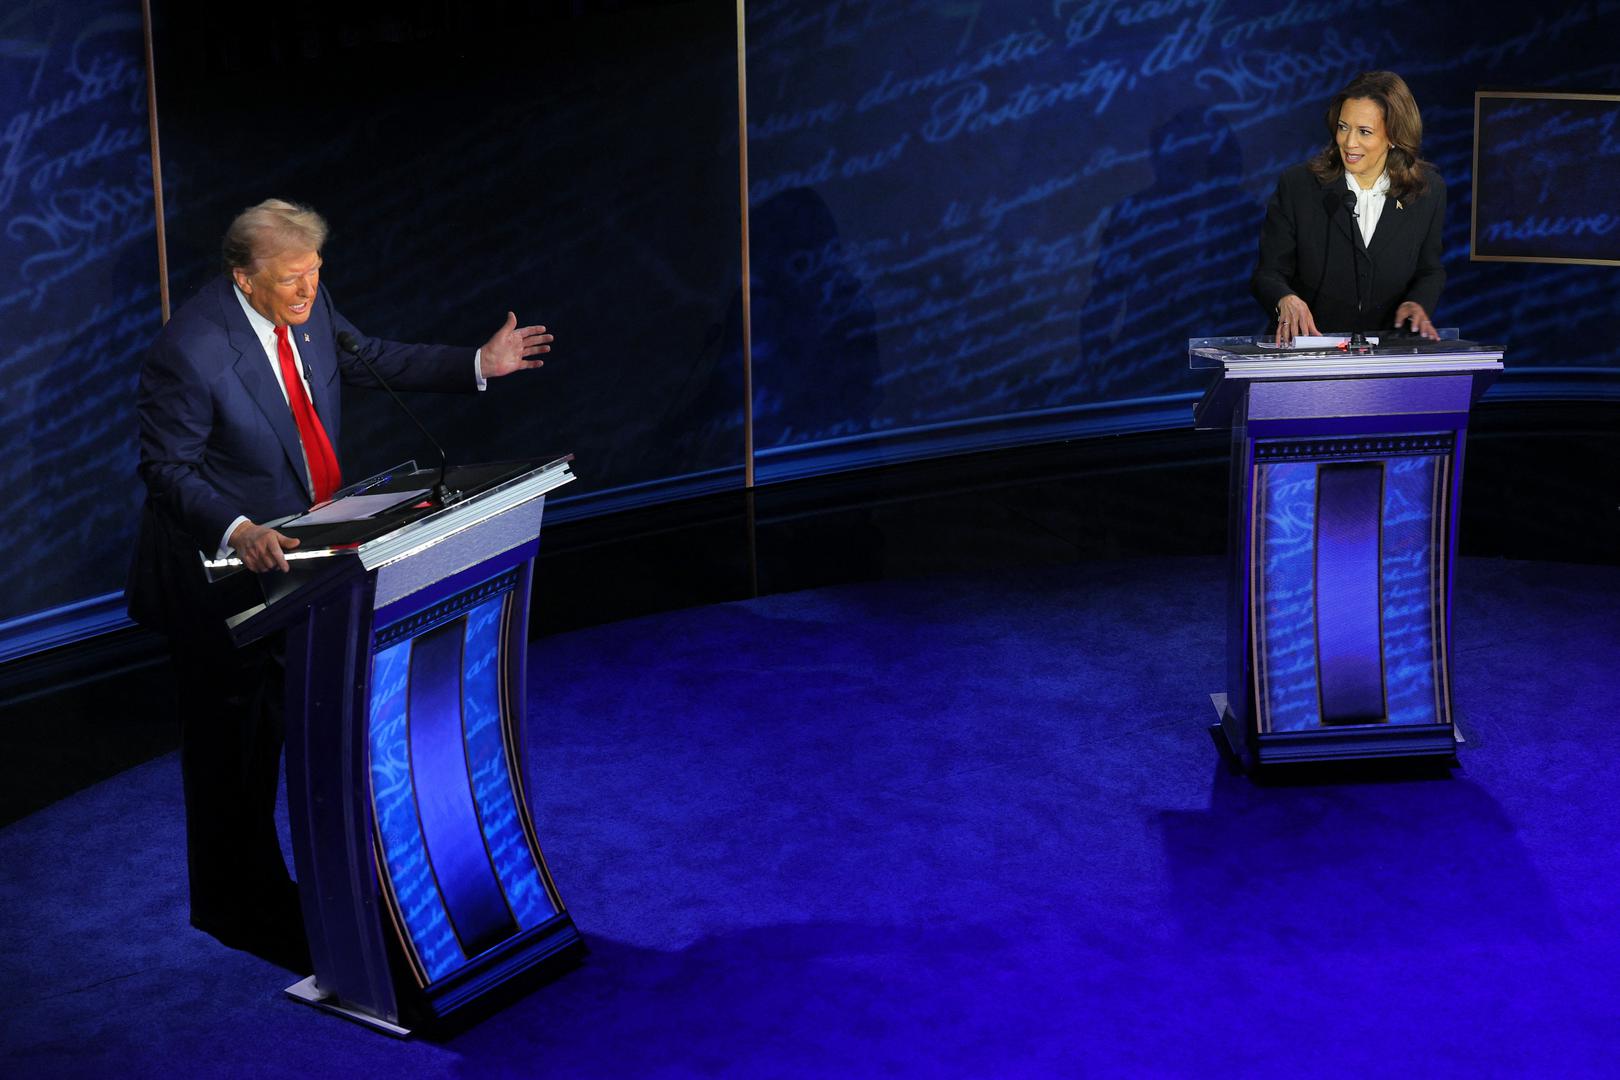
<point x="268" y="229"/>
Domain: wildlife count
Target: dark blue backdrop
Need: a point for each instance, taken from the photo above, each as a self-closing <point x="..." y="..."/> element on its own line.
<point x="970" y="224"/>
<point x="78" y="293"/>
<point x="1011" y="217"/>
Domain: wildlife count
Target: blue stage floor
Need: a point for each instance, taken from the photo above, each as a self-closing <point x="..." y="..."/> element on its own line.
<point x="965" y="826"/>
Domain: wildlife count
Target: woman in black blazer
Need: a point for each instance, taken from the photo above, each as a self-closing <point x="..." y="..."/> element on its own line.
<point x="1318" y="266"/>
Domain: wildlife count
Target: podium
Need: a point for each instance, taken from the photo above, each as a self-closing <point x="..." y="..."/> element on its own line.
<point x="1346" y="471"/>
<point x="420" y="875"/>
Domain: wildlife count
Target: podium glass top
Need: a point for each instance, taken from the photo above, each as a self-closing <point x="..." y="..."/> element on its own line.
<point x="416" y="517"/>
<point x="1255" y="356"/>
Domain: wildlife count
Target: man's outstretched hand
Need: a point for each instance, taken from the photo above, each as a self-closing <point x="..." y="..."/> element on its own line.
<point x="510" y="349"/>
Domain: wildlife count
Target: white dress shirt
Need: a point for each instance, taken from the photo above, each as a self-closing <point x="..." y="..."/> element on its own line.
<point x="1369" y="203"/>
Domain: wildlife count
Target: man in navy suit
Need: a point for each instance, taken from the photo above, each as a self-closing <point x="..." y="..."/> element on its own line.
<point x="239" y="419"/>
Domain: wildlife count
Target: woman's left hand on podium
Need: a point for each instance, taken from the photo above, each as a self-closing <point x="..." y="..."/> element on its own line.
<point x="1412" y="314"/>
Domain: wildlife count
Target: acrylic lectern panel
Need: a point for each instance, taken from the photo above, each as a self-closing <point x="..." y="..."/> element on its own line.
<point x="1348" y="578"/>
<point x="461" y="868"/>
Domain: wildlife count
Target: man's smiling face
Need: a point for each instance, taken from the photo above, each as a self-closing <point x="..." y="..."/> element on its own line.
<point x="283" y="288"/>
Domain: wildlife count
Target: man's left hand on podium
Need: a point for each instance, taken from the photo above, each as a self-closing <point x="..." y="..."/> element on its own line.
<point x="511" y="347"/>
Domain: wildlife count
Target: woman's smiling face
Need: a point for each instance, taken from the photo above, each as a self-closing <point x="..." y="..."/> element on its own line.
<point x="1363" y="146"/>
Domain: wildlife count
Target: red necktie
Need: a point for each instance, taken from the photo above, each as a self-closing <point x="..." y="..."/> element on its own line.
<point x="324" y="477"/>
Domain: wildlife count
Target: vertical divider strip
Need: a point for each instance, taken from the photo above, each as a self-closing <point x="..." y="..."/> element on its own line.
<point x="747" y="307"/>
<point x="157" y="161"/>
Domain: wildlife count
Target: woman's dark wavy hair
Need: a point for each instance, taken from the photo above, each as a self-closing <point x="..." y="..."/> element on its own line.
<point x="1403" y="125"/>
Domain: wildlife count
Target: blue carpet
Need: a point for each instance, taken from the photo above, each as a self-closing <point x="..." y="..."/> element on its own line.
<point x="957" y="827"/>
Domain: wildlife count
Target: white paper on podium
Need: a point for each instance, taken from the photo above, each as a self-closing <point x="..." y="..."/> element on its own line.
<point x="355" y="508"/>
<point x="1327" y="341"/>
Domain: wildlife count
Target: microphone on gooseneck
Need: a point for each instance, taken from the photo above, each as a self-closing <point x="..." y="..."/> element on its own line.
<point x="441" y="491"/>
<point x="1348" y="199"/>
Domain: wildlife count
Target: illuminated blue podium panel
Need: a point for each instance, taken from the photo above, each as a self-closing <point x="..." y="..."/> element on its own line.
<point x="420" y="872"/>
<point x="1345" y="479"/>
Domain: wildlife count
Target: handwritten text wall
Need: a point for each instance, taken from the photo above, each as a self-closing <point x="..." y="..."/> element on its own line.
<point x="960" y="211"/>
<point x="970" y="210"/>
<point x="78" y="294"/>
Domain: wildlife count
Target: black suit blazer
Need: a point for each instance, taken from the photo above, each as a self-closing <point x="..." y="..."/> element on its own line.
<point x="1308" y="252"/>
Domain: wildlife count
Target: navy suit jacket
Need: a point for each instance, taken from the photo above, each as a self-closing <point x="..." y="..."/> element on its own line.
<point x="218" y="441"/>
<point x="1317" y="257"/>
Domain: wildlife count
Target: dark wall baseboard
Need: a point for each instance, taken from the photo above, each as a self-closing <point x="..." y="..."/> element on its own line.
<point x="1541" y="481"/>
<point x="80" y="713"/>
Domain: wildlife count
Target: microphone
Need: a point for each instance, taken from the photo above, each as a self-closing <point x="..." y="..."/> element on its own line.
<point x="441" y="491"/>
<point x="1358" y="340"/>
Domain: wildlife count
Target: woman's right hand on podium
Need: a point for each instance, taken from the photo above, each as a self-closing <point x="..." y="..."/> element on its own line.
<point x="1293" y="319"/>
<point x="260" y="547"/>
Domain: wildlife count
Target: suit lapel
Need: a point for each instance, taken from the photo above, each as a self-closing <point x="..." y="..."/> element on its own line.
<point x="1395" y="218"/>
<point x="316" y="346"/>
<point x="252" y="368"/>
<point x="1341" y="218"/>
